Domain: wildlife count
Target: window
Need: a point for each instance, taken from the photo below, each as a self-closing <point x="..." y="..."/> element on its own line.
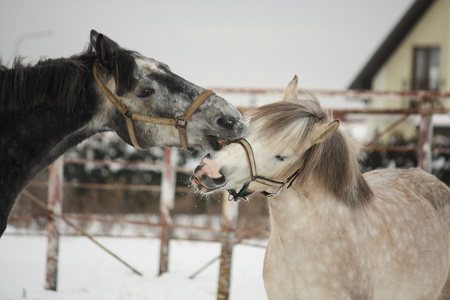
<point x="426" y="69"/>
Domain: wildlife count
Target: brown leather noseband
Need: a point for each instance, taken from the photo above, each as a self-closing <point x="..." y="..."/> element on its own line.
<point x="179" y="122"/>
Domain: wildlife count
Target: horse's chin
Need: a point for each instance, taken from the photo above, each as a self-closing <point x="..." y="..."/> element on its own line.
<point x="196" y="183"/>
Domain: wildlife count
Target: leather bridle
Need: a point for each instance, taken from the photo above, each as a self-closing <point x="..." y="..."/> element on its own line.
<point x="180" y="122"/>
<point x="254" y="177"/>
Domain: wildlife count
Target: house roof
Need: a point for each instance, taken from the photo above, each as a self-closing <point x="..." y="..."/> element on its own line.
<point x="364" y="79"/>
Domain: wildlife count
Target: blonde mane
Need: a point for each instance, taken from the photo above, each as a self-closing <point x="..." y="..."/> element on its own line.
<point x="333" y="164"/>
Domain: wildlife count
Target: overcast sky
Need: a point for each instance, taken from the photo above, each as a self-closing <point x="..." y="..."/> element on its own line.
<point x="213" y="43"/>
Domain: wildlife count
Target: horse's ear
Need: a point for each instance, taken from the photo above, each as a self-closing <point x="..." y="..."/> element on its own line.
<point x="324" y="131"/>
<point x="94" y="35"/>
<point x="106" y="50"/>
<point x="291" y="91"/>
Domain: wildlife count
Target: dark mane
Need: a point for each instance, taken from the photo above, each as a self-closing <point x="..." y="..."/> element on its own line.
<point x="63" y="82"/>
<point x="333" y="164"/>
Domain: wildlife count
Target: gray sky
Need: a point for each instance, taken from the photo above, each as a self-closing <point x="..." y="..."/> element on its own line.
<point x="213" y="43"/>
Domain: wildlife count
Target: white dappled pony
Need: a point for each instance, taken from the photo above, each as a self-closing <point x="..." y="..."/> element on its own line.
<point x="335" y="233"/>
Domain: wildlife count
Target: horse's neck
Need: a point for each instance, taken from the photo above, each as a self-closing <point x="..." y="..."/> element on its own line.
<point x="32" y="140"/>
<point x="299" y="219"/>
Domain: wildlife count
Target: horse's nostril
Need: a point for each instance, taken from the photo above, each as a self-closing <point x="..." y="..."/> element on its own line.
<point x="219" y="181"/>
<point x="227" y="122"/>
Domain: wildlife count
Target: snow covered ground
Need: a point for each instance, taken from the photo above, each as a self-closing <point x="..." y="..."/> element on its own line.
<point x="87" y="272"/>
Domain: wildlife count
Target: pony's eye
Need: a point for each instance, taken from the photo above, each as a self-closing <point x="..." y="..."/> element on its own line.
<point x="146" y="93"/>
<point x="281" y="158"/>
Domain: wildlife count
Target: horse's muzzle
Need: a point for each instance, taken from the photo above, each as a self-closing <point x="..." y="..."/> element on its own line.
<point x="207" y="177"/>
<point x="230" y="127"/>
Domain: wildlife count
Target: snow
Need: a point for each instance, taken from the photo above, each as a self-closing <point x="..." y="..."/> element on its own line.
<point x="87" y="272"/>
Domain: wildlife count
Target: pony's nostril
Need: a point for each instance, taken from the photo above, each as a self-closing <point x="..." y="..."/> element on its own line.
<point x="219" y="181"/>
<point x="207" y="156"/>
<point x="227" y="122"/>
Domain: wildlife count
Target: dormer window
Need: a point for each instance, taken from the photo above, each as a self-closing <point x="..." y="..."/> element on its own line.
<point x="426" y="71"/>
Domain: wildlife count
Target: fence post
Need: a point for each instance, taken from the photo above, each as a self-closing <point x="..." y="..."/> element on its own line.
<point x="230" y="210"/>
<point x="425" y="136"/>
<point x="167" y="201"/>
<point x="54" y="204"/>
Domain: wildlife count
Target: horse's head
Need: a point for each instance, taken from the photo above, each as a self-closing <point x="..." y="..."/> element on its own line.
<point x="145" y="87"/>
<point x="279" y="137"/>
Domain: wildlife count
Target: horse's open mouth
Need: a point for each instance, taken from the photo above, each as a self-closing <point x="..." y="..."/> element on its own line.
<point x="216" y="143"/>
<point x="200" y="187"/>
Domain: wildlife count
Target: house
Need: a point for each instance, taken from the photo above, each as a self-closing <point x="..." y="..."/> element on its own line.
<point x="414" y="56"/>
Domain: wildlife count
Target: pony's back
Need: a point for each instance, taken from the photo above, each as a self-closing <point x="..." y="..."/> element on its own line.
<point x="415" y="208"/>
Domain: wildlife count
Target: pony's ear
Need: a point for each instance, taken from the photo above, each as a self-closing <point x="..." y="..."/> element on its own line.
<point x="105" y="49"/>
<point x="324" y="131"/>
<point x="291" y="91"/>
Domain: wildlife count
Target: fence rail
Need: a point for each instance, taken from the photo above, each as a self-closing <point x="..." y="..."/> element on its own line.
<point x="345" y="93"/>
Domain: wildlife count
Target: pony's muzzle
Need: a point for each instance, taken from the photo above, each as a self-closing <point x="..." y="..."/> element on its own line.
<point x="207" y="176"/>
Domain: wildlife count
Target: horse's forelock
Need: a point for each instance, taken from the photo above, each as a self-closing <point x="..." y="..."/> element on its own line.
<point x="287" y="122"/>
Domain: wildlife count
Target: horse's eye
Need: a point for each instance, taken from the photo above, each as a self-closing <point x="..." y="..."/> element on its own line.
<point x="281" y="158"/>
<point x="146" y="93"/>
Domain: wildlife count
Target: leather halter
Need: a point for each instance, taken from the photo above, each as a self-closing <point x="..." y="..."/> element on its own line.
<point x="180" y="122"/>
<point x="277" y="185"/>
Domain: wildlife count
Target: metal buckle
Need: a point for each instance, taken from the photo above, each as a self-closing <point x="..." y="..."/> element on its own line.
<point x="236" y="196"/>
<point x="179" y="122"/>
<point x="128" y="114"/>
<point x="275" y="192"/>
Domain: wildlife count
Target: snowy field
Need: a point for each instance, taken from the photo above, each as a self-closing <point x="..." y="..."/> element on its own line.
<point x="87" y="272"/>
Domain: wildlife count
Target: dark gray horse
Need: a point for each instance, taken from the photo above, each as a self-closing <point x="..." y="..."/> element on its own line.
<point x="52" y="106"/>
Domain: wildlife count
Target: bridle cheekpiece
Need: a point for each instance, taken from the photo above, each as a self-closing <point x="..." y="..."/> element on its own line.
<point x="243" y="192"/>
<point x="179" y="122"/>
